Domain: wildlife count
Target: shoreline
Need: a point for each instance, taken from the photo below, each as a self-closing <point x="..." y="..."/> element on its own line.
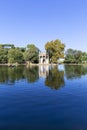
<point x="38" y="64"/>
<point x="28" y="65"/>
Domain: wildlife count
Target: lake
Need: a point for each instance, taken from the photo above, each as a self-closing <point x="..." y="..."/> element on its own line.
<point x="43" y="98"/>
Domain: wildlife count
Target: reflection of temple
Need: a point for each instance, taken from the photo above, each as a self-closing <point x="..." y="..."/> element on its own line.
<point x="43" y="70"/>
<point x="43" y="58"/>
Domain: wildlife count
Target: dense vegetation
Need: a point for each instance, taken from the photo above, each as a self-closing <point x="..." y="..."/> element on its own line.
<point x="11" y="54"/>
<point x="30" y="54"/>
<point x="75" y="56"/>
<point x="55" y="49"/>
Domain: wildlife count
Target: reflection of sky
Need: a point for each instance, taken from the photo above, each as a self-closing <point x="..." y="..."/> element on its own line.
<point x="61" y="67"/>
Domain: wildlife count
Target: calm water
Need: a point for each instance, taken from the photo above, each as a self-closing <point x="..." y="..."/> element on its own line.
<point x="43" y="98"/>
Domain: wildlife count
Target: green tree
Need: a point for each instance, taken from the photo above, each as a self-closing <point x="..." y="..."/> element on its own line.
<point x="84" y="57"/>
<point x="7" y="45"/>
<point x="32" y="53"/>
<point x="75" y="56"/>
<point x="69" y="56"/>
<point x="11" y="55"/>
<point x="3" y="54"/>
<point x="55" y="49"/>
<point x="18" y="56"/>
<point x="15" y="55"/>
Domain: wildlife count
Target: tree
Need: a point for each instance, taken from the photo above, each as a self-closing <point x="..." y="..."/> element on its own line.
<point x="7" y="45"/>
<point x="84" y="57"/>
<point x="75" y="56"/>
<point x="11" y="55"/>
<point x="15" y="55"/>
<point x="55" y="49"/>
<point x="69" y="56"/>
<point x="32" y="53"/>
<point x="18" y="55"/>
<point x="3" y="54"/>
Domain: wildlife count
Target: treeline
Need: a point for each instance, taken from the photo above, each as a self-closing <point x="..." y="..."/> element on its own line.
<point x="75" y="56"/>
<point x="11" y="54"/>
<point x="55" y="49"/>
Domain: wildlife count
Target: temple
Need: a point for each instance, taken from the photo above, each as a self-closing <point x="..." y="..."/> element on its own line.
<point x="43" y="58"/>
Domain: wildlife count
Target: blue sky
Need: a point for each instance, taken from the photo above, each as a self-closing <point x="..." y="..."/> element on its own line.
<point x="25" y="22"/>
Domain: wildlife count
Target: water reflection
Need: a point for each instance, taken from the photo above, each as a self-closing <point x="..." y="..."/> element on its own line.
<point x="75" y="71"/>
<point x="55" y="79"/>
<point x="31" y="73"/>
<point x="53" y="75"/>
<point x="43" y="71"/>
<point x="10" y="75"/>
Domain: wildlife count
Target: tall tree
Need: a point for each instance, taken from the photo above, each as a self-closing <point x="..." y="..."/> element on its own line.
<point x="11" y="55"/>
<point x="55" y="49"/>
<point x="32" y="53"/>
<point x="75" y="56"/>
<point x="19" y="55"/>
<point x="15" y="55"/>
<point x="3" y="54"/>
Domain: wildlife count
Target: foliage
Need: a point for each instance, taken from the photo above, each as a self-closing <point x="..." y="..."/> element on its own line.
<point x="3" y="55"/>
<point x="55" y="49"/>
<point x="18" y="56"/>
<point x="7" y="45"/>
<point x="32" y="53"/>
<point x="15" y="55"/>
<point x="11" y="54"/>
<point x="75" y="56"/>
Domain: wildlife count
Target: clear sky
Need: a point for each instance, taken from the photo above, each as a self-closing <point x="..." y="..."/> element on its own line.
<point x="25" y="22"/>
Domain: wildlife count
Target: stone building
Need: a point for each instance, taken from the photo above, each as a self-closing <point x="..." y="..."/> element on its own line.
<point x="43" y="58"/>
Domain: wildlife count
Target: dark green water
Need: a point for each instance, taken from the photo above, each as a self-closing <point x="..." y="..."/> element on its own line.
<point x="43" y="98"/>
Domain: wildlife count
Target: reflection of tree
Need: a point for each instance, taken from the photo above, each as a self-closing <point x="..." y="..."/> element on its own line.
<point x="15" y="74"/>
<point x="3" y="74"/>
<point x="9" y="75"/>
<point x="75" y="71"/>
<point x="55" y="79"/>
<point x="32" y="74"/>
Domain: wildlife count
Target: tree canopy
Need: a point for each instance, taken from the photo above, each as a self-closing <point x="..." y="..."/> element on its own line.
<point x="32" y="53"/>
<point x="7" y="45"/>
<point x="3" y="55"/>
<point x="75" y="56"/>
<point x="11" y="54"/>
<point x="55" y="49"/>
<point x="15" y="55"/>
